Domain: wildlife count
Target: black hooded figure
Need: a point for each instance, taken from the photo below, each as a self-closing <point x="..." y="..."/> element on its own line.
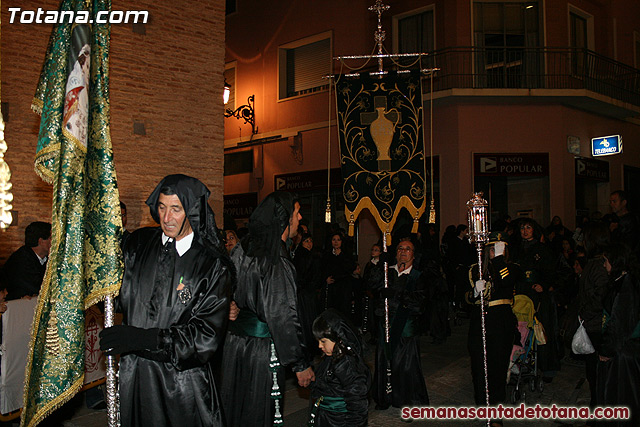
<point x="266" y="336"/>
<point x="175" y="305"/>
<point x="339" y="394"/>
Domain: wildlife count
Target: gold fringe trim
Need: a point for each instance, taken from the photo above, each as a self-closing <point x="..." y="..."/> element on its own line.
<point x="46" y="284"/>
<point x="432" y="213"/>
<point x="54" y="404"/>
<point x="46" y="154"/>
<point x="352" y="223"/>
<point x="63" y="398"/>
<point x="416" y="223"/>
<point x="37" y="105"/>
<point x="76" y="142"/>
<point x="45" y="295"/>
<point x="404" y="202"/>
<point x="48" y="178"/>
<point x="96" y="297"/>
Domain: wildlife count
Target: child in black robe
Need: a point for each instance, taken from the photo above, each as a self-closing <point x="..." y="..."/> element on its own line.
<point x="339" y="393"/>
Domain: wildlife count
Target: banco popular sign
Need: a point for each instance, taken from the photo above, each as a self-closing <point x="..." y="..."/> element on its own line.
<point x="511" y="164"/>
<point x="606" y="145"/>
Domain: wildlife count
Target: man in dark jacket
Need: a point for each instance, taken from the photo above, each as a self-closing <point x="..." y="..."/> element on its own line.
<point x="625" y="226"/>
<point x="24" y="270"/>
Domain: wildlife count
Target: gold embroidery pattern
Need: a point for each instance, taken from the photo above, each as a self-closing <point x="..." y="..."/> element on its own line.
<point x="381" y="147"/>
<point x="85" y="262"/>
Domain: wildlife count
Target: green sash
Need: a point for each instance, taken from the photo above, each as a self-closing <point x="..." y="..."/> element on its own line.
<point x="333" y="404"/>
<point x="410" y="328"/>
<point x="327" y="403"/>
<point x="248" y="324"/>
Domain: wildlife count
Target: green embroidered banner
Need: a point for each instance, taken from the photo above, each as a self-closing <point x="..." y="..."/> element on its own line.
<point x="381" y="147"/>
<point x="74" y="154"/>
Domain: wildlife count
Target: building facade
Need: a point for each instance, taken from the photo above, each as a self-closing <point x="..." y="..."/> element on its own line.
<point x="521" y="90"/>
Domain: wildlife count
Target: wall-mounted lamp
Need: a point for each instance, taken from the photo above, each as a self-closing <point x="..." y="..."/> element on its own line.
<point x="226" y="93"/>
<point x="246" y="113"/>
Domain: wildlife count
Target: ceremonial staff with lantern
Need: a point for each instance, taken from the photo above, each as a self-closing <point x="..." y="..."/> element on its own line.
<point x="492" y="323"/>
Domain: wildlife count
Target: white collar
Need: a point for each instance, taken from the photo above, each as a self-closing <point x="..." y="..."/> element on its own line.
<point x="405" y="271"/>
<point x="43" y="261"/>
<point x="182" y="245"/>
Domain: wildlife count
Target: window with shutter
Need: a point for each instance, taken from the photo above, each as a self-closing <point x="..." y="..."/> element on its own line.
<point x="302" y="67"/>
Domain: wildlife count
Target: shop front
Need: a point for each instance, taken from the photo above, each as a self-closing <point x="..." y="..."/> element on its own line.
<point x="592" y="187"/>
<point x="514" y="184"/>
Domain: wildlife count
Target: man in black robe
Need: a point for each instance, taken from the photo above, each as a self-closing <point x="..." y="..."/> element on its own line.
<point x="175" y="304"/>
<point x="406" y="294"/>
<point x="266" y="336"/>
<point x="23" y="272"/>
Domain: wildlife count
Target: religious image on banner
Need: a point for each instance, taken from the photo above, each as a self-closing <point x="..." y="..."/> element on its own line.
<point x="76" y="104"/>
<point x="381" y="147"/>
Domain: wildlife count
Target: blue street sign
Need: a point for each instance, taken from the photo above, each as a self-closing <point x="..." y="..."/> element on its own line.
<point x="606" y="145"/>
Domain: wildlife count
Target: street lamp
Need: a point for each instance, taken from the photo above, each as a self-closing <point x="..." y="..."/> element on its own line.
<point x="245" y="112"/>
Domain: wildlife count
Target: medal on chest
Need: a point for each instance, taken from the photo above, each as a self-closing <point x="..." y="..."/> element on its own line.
<point x="184" y="293"/>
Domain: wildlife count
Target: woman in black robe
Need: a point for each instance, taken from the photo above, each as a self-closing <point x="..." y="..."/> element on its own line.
<point x="619" y="367"/>
<point x="368" y="318"/>
<point x="337" y="270"/>
<point x="308" y="276"/>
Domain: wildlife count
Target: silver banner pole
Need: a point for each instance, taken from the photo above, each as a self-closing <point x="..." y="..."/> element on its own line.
<point x="113" y="410"/>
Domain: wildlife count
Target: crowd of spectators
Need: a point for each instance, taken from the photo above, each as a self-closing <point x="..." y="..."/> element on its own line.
<point x="562" y="271"/>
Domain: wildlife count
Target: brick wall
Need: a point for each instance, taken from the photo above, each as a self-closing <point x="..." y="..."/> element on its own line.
<point x="169" y="79"/>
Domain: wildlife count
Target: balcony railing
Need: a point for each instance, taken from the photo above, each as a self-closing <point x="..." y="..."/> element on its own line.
<point x="534" y="68"/>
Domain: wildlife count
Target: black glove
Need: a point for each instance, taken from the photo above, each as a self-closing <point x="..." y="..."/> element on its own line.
<point x="124" y="339"/>
<point x="387" y="293"/>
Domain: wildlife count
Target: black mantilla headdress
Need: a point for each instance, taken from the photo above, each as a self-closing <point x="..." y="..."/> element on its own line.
<point x="266" y="225"/>
<point x="194" y="196"/>
<point x="344" y="332"/>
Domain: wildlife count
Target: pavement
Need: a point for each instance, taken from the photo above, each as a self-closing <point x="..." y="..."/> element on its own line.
<point x="447" y="372"/>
